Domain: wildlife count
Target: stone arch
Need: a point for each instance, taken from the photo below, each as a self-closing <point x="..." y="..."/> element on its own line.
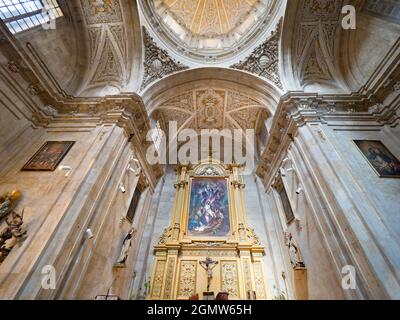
<point x="213" y="98"/>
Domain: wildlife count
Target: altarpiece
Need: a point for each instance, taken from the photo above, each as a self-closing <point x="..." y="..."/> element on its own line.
<point x="208" y="221"/>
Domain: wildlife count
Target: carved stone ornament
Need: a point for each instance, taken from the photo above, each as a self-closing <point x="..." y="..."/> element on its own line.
<point x="35" y="89"/>
<point x="264" y="60"/>
<point x="377" y="108"/>
<point x="396" y="86"/>
<point x="166" y="236"/>
<point x="209" y="171"/>
<point x="157" y="62"/>
<point x="14" y="66"/>
<point x="252" y="237"/>
<point x="49" y="110"/>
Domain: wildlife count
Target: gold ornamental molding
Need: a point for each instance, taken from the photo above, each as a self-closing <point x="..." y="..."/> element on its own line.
<point x="208" y="247"/>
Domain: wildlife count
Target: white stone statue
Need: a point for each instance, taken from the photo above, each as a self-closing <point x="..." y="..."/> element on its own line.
<point x="295" y="256"/>
<point x="125" y="248"/>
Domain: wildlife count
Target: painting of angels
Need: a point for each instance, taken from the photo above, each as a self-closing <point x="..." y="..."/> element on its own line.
<point x="209" y="208"/>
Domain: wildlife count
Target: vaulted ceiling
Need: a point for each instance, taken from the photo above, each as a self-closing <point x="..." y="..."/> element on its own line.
<point x="212" y="98"/>
<point x="212" y="108"/>
<point x="210" y="18"/>
<point x="113" y="46"/>
<point x="210" y="31"/>
<point x="130" y="46"/>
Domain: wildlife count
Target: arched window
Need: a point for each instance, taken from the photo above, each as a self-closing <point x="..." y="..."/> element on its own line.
<point x="20" y="15"/>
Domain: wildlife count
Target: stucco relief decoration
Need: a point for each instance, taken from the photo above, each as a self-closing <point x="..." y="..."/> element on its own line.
<point x="109" y="67"/>
<point x="252" y="237"/>
<point x="166" y="236"/>
<point x="264" y="60"/>
<point x="107" y="40"/>
<point x="212" y="108"/>
<point x="102" y="11"/>
<point x="209" y="171"/>
<point x="157" y="62"/>
<point x="209" y="30"/>
<point x="315" y="39"/>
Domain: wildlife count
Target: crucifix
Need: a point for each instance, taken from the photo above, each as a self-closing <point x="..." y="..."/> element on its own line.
<point x="208" y="265"/>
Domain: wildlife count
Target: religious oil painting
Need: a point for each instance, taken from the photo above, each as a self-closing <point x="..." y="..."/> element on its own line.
<point x="49" y="156"/>
<point x="385" y="164"/>
<point x="209" y="208"/>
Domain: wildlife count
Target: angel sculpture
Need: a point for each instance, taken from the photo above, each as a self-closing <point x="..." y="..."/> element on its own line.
<point x="12" y="234"/>
<point x="8" y="202"/>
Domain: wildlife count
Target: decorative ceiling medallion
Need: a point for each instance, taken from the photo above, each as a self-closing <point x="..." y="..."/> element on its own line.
<point x="104" y="11"/>
<point x="264" y="60"/>
<point x="157" y="62"/>
<point x="211" y="108"/>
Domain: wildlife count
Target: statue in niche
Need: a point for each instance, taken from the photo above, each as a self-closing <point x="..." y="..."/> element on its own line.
<point x="8" y="202"/>
<point x="208" y="265"/>
<point x="125" y="248"/>
<point x="12" y="234"/>
<point x="295" y="256"/>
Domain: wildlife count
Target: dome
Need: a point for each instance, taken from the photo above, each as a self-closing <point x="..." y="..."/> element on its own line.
<point x="210" y="30"/>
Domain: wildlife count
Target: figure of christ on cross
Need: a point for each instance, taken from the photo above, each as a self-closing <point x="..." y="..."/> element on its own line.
<point x="208" y="265"/>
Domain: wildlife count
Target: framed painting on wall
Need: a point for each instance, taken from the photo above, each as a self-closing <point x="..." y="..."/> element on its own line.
<point x="209" y="208"/>
<point x="49" y="156"/>
<point x="384" y="163"/>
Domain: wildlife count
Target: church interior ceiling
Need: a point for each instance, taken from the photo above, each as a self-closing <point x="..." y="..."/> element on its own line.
<point x="210" y="30"/>
<point x="322" y="103"/>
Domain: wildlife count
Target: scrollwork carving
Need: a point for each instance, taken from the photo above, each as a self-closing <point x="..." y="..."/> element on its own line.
<point x="264" y="60"/>
<point x="157" y="62"/>
<point x="166" y="236"/>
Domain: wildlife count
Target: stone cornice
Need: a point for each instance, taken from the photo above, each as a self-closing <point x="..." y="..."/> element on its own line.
<point x="296" y="109"/>
<point x="53" y="107"/>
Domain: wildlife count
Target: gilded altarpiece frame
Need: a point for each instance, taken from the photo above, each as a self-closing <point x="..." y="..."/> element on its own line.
<point x="177" y="273"/>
